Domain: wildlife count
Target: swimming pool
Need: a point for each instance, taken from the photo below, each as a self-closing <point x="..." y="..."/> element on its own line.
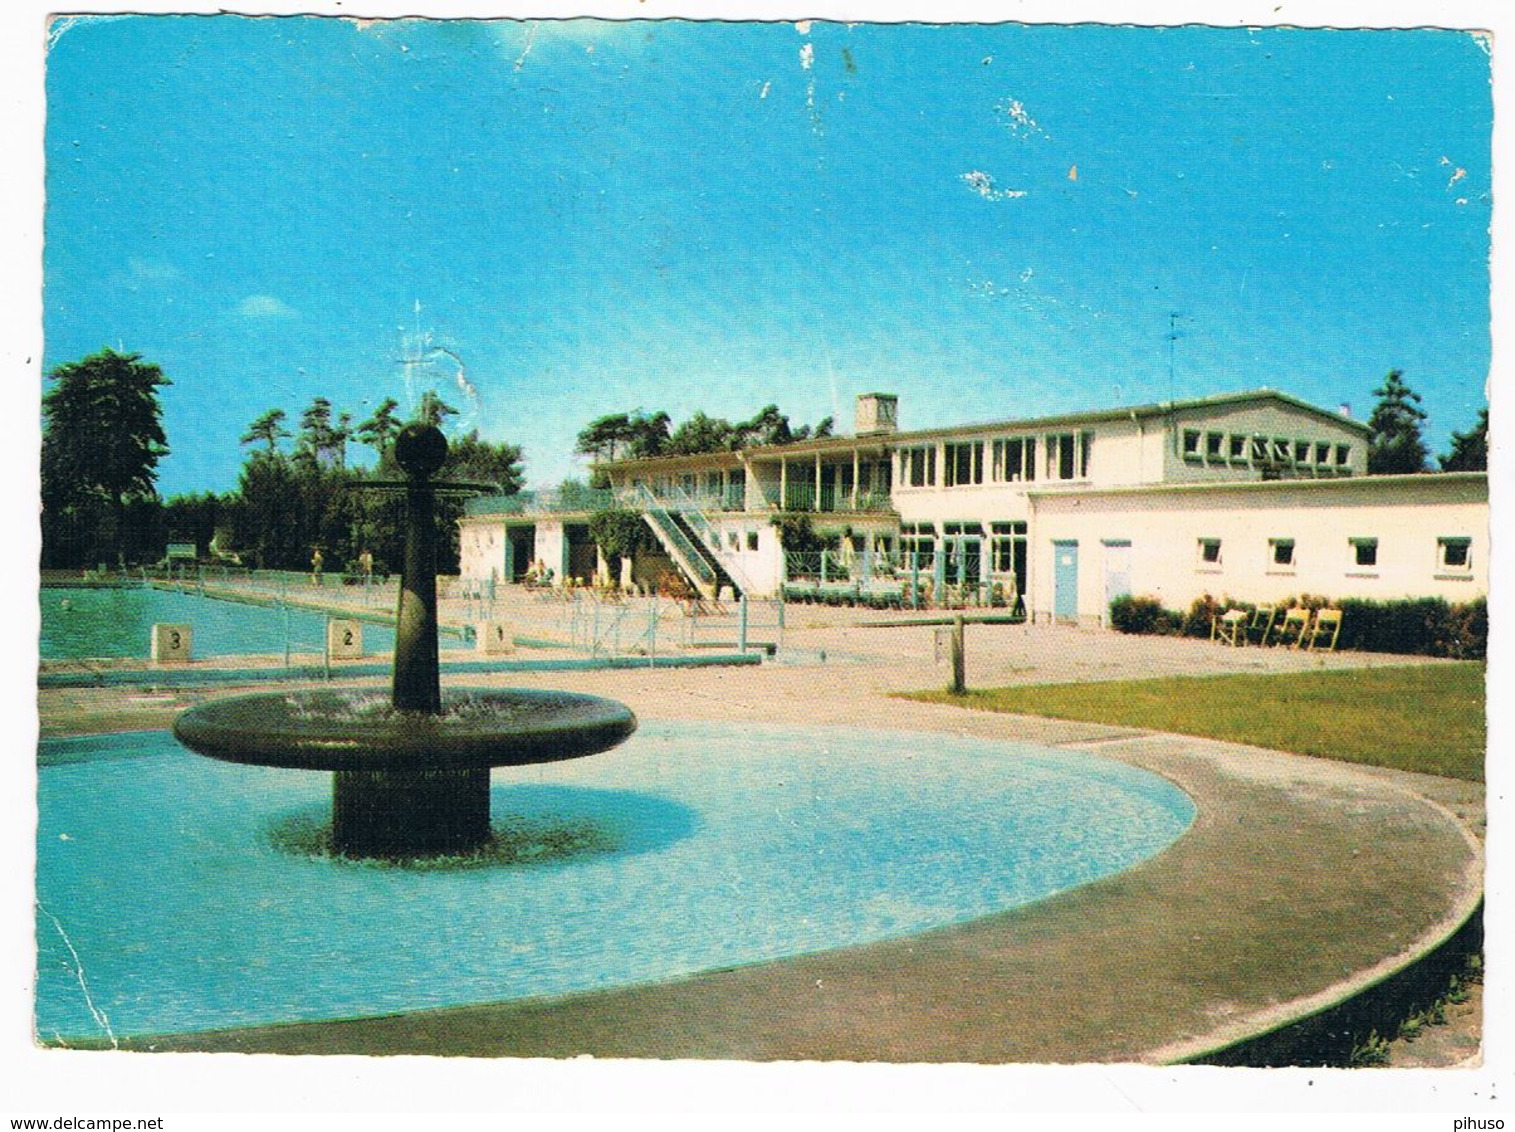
<point x="178" y="894"/>
<point x="114" y="623"/>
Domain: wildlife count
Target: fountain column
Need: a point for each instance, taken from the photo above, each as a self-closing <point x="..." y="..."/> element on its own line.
<point x="386" y="813"/>
<point x="420" y="451"/>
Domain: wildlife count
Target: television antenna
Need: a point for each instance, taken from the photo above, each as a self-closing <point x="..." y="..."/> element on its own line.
<point x="1173" y="335"/>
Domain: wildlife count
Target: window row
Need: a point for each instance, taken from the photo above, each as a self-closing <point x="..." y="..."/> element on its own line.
<point x="965" y="546"/>
<point x="1454" y="554"/>
<point x="1259" y="450"/>
<point x="735" y="539"/>
<point x="1064" y="456"/>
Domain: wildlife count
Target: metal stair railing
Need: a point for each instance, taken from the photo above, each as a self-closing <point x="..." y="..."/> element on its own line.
<point x="673" y="538"/>
<point x="691" y="513"/>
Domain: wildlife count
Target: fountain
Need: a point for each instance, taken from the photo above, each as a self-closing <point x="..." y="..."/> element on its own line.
<point x="411" y="773"/>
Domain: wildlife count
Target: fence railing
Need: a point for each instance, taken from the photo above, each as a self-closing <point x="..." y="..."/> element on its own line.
<point x="911" y="580"/>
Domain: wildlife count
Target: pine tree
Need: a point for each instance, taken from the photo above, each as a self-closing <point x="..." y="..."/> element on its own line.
<point x="1395" y="445"/>
<point x="1470" y="450"/>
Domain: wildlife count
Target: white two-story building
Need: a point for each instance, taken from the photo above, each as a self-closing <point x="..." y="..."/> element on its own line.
<point x="1255" y="496"/>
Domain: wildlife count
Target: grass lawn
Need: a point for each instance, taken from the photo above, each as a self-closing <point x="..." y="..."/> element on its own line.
<point x="1427" y="718"/>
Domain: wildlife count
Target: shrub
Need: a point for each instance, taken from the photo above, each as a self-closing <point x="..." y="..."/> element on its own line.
<point x="1132" y="614"/>
<point x="1200" y="620"/>
<point x="1468" y="630"/>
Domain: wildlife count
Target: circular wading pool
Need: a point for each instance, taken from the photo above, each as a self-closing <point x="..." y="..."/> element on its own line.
<point x="177" y="893"/>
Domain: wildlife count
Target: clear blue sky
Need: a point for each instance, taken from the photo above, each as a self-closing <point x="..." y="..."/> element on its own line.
<point x="990" y="221"/>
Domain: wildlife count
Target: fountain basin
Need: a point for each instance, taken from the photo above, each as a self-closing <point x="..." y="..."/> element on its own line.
<point x="361" y="731"/>
<point x="406" y="783"/>
<point x="169" y="883"/>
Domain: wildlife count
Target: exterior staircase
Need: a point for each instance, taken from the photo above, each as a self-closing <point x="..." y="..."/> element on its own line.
<point x="689" y="539"/>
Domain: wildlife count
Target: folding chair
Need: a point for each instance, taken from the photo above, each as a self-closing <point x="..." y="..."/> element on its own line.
<point x="1327" y="624"/>
<point x="1262" y="623"/>
<point x="1296" y="626"/>
<point x="1230" y="627"/>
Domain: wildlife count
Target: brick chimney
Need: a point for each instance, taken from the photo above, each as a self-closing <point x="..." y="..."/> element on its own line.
<point x="876" y="413"/>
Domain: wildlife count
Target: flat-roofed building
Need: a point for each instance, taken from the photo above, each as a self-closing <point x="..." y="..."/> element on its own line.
<point x="1254" y="495"/>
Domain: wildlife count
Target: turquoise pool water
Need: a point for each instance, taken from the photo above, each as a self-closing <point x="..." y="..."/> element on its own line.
<point x="173" y="895"/>
<point x="79" y="624"/>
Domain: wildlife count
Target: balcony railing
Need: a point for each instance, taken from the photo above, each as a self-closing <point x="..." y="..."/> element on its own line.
<point x="675" y="498"/>
<point x="804" y="497"/>
<point x="549" y="501"/>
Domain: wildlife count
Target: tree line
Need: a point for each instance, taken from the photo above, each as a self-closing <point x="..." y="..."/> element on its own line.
<point x="639" y="435"/>
<point x="296" y="492"/>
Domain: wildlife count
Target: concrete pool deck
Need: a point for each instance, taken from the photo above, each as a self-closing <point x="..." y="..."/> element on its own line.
<point x="1301" y="881"/>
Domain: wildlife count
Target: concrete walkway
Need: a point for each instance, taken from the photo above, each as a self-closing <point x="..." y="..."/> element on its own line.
<point x="1300" y="881"/>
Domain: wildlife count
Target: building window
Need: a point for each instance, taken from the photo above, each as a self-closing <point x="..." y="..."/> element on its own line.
<point x="1455" y="555"/>
<point x="1364" y="552"/>
<point x="1238" y="449"/>
<point x="918" y="545"/>
<point x="1191" y="444"/>
<point x="1281" y="450"/>
<point x="1281" y="551"/>
<point x="1068" y="455"/>
<point x="918" y="466"/>
<point x="1014" y="460"/>
<point x="1322" y="454"/>
<point x="1006" y="536"/>
<point x="1343" y="455"/>
<point x="1060" y="456"/>
<point x="1301" y="451"/>
<point x="1209" y="552"/>
<point x="752" y="540"/>
<point x="964" y="464"/>
<point x="1215" y="446"/>
<point x="1259" y="449"/>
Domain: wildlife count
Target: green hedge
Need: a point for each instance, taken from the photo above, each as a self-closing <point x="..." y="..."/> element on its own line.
<point x="1429" y="626"/>
<point x="1425" y="626"/>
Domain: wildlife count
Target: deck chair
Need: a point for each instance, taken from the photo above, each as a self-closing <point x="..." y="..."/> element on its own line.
<point x="1261" y="624"/>
<point x="1295" y="627"/>
<point x="1230" y="627"/>
<point x="1327" y="625"/>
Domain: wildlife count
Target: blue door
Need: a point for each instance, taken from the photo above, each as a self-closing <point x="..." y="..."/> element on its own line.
<point x="1065" y="581"/>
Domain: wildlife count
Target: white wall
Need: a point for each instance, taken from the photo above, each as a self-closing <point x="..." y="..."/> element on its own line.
<point x="764" y="567"/>
<point x="481" y="547"/>
<point x="1407" y="515"/>
<point x="552" y="548"/>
